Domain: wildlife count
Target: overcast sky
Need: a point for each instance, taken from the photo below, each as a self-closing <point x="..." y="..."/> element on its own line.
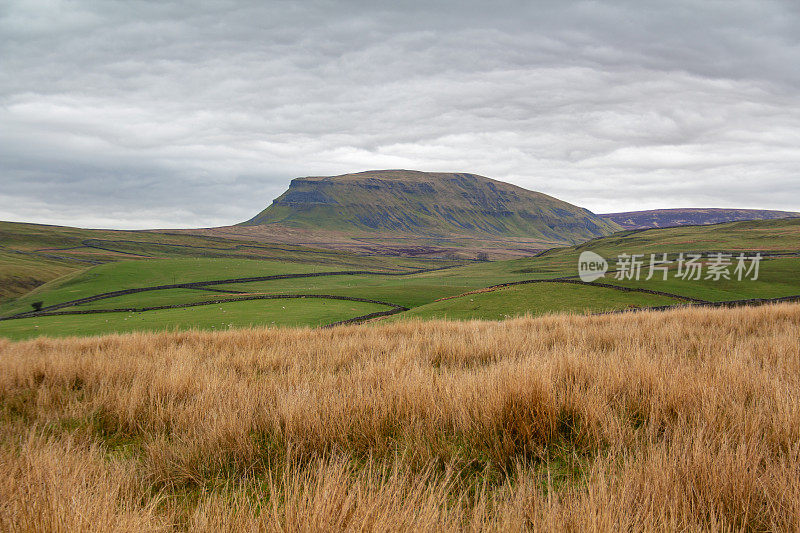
<point x="141" y="114"/>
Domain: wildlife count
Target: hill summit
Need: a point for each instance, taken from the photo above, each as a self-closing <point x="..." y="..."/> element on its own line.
<point x="430" y="205"/>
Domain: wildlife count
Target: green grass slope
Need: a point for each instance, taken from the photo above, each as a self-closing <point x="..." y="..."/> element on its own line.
<point x="777" y="278"/>
<point x="534" y="299"/>
<point x="34" y="254"/>
<point x="431" y="294"/>
<point x="20" y="273"/>
<point x="134" y="274"/>
<point x="768" y="236"/>
<point x="270" y="313"/>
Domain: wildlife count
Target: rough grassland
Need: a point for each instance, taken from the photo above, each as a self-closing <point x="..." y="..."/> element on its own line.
<point x="19" y="273"/>
<point x="683" y="420"/>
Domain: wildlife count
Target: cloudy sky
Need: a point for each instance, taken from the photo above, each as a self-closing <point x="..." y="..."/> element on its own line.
<point x="136" y="114"/>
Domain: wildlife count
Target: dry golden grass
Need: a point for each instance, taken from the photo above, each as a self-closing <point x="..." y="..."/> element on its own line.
<point x="683" y="420"/>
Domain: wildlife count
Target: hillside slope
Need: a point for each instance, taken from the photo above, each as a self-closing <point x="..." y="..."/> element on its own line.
<point x="429" y="204"/>
<point x="663" y="218"/>
<point x="284" y="286"/>
<point x="33" y="254"/>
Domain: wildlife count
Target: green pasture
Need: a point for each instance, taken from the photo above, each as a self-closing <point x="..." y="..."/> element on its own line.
<point x="34" y="254"/>
<point x="534" y="299"/>
<point x="776" y="278"/>
<point x="133" y="274"/>
<point x="271" y="313"/>
<point x="424" y="293"/>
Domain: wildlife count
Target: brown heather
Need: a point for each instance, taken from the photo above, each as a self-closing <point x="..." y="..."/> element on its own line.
<point x="682" y="420"/>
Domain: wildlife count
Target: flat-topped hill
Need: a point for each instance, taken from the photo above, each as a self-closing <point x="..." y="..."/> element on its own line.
<point x="429" y="204"/>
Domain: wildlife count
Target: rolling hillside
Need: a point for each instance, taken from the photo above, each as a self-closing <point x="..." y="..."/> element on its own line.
<point x="292" y="286"/>
<point x="663" y="218"/>
<point x="33" y="254"/>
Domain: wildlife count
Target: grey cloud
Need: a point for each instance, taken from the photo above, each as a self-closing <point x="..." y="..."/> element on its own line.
<point x="139" y="114"/>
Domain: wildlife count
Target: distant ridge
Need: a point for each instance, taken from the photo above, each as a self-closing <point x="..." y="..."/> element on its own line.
<point x="429" y="205"/>
<point x="664" y="218"/>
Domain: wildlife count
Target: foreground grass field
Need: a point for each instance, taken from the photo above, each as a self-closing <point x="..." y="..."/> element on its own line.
<point x="683" y="420"/>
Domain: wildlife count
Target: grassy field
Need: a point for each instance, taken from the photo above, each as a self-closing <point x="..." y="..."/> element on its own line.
<point x="33" y="254"/>
<point x="687" y="420"/>
<point x="408" y="291"/>
<point x="217" y="317"/>
<point x="534" y="299"/>
<point x="132" y="274"/>
<point x="777" y="277"/>
<point x="766" y="235"/>
<point x="429" y="294"/>
<point x="774" y="236"/>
